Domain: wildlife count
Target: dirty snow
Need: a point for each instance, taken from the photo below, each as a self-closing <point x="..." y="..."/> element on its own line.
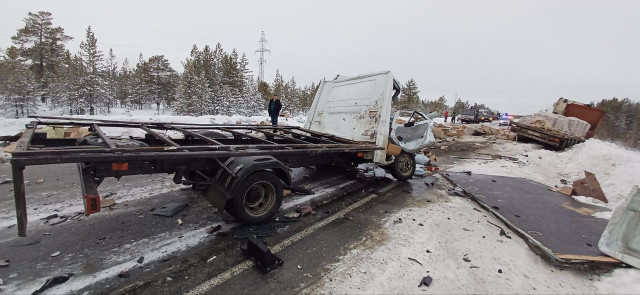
<point x="620" y="281"/>
<point x="611" y="163"/>
<point x="451" y="231"/>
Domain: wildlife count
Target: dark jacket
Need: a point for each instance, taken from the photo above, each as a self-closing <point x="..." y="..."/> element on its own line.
<point x="276" y="109"/>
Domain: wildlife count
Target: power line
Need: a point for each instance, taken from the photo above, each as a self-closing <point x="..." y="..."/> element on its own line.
<point x="262" y="61"/>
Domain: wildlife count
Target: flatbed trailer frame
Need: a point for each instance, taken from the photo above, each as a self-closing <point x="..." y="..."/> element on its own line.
<point x="212" y="157"/>
<point x="550" y="137"/>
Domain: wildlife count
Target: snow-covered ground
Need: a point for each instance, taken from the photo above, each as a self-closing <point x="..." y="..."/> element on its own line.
<point x="440" y="235"/>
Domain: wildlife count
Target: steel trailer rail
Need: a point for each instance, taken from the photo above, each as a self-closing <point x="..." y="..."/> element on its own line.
<point x="217" y="158"/>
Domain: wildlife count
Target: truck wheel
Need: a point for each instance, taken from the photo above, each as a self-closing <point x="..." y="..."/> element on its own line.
<point x="403" y="167"/>
<point x="256" y="199"/>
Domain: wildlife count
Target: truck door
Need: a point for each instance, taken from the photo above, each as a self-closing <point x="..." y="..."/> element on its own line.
<point x="412" y="130"/>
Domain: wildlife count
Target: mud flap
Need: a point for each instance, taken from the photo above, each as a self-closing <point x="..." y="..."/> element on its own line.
<point x="217" y="196"/>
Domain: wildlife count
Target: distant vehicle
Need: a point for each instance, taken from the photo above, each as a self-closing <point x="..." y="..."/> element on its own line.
<point x="505" y="119"/>
<point x="468" y="116"/>
<point x="484" y="115"/>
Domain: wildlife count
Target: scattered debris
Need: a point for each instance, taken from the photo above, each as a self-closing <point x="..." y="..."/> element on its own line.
<point x="171" y="209"/>
<point x="466" y="259"/>
<point x="428" y="251"/>
<point x="420" y="224"/>
<point x="57" y="280"/>
<point x="55" y="254"/>
<point x="107" y="203"/>
<point x="4" y="262"/>
<point x="498" y="133"/>
<point x="179" y="221"/>
<point x="589" y="187"/>
<point x="467" y="172"/>
<point x="299" y="267"/>
<point x="49" y="217"/>
<point x="444" y="147"/>
<point x="499" y="270"/>
<point x="211" y="259"/>
<point x="443" y="131"/>
<point x="5" y="181"/>
<point x="495" y="207"/>
<point x="502" y="231"/>
<point x="563" y="181"/>
<point x="399" y="220"/>
<point x="292" y="214"/>
<point x="474" y="266"/>
<point x="305" y="210"/>
<point x="140" y="260"/>
<point x="213" y="229"/>
<point x="1" y="282"/>
<point x="430" y="180"/>
<point x="63" y="219"/>
<point x="567" y="190"/>
<point x="109" y="194"/>
<point x="124" y="274"/>
<point x="426" y="281"/>
<point x="39" y="180"/>
<point x="476" y="209"/>
<point x="415" y="260"/>
<point x="262" y="256"/>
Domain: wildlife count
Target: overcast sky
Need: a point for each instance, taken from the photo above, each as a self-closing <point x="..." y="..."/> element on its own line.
<point x="516" y="56"/>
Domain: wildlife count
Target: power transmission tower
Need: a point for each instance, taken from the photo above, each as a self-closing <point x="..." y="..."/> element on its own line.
<point x="262" y="61"/>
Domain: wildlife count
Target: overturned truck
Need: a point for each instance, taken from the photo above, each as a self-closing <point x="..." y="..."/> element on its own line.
<point x="569" y="123"/>
<point x="241" y="169"/>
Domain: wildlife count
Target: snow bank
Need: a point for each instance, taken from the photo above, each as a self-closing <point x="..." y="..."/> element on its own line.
<point x="612" y="164"/>
<point x="620" y="281"/>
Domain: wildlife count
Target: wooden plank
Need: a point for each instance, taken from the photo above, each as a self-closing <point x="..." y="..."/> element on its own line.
<point x="605" y="259"/>
<point x="103" y="136"/>
<point x="159" y="136"/>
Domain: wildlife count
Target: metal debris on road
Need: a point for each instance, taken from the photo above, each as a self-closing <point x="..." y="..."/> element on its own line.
<point x="502" y="231"/>
<point x="415" y="260"/>
<point x="465" y="259"/>
<point x="211" y="259"/>
<point x="4" y="262"/>
<point x="171" y="209"/>
<point x="52" y="216"/>
<point x="179" y="221"/>
<point x="140" y="260"/>
<point x="426" y="281"/>
<point x="55" y="254"/>
<point x="57" y="280"/>
<point x="261" y="255"/>
<point x="39" y="180"/>
<point x="213" y="229"/>
<point x="63" y="219"/>
<point x="5" y="181"/>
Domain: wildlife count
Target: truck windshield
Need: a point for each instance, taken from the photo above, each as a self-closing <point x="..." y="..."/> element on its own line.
<point x="469" y="112"/>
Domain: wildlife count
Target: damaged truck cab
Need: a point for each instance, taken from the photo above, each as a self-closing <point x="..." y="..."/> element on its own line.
<point x="360" y="109"/>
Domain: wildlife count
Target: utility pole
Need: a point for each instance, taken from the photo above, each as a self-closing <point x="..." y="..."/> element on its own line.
<point x="262" y="61"/>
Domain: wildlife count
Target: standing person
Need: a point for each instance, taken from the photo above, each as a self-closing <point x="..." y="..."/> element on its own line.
<point x="446" y="115"/>
<point x="453" y="117"/>
<point x="274" y="109"/>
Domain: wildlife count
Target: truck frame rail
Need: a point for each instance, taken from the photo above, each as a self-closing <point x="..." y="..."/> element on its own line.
<point x="200" y="153"/>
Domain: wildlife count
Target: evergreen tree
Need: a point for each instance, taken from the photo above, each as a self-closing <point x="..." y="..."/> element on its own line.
<point x="460" y="105"/>
<point x="42" y="45"/>
<point x="162" y="80"/>
<point x="93" y="83"/>
<point x="409" y="98"/>
<point x="193" y="96"/>
<point x="17" y="85"/>
<point x="111" y="80"/>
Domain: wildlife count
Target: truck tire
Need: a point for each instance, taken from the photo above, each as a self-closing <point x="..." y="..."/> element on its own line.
<point x="256" y="199"/>
<point x="403" y="167"/>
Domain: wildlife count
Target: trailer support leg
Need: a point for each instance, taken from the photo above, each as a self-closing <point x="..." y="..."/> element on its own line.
<point x="20" y="199"/>
<point x="89" y="191"/>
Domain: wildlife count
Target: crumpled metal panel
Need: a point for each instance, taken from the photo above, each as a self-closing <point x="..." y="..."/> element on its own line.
<point x="621" y="237"/>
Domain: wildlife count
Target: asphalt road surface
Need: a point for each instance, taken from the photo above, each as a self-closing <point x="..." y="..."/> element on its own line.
<point x="105" y="251"/>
